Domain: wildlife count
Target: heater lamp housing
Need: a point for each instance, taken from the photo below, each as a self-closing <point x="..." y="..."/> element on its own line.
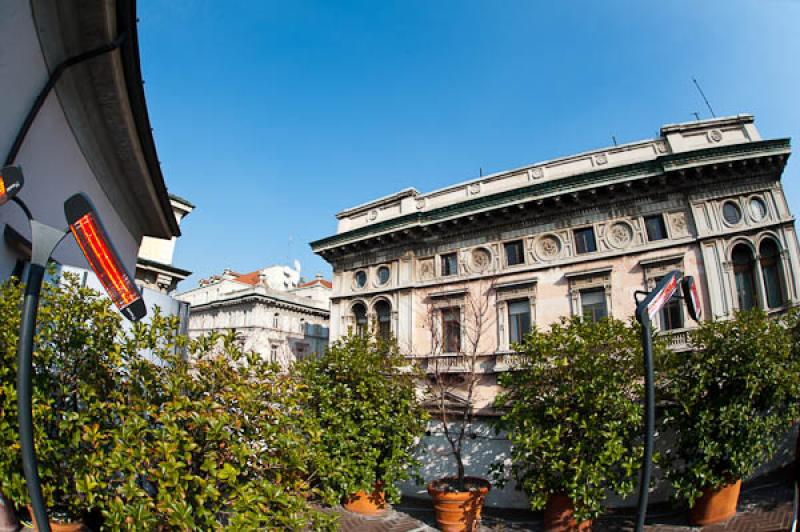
<point x="92" y="238"/>
<point x="11" y="182"/>
<point x="691" y="297"/>
<point x="658" y="297"/>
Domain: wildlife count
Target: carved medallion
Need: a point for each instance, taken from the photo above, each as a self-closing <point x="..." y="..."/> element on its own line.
<point x="715" y="135"/>
<point x="474" y="188"/>
<point x="661" y="147"/>
<point x="426" y="269"/>
<point x="678" y="223"/>
<point x="373" y="214"/>
<point x="481" y="259"/>
<point x="601" y="159"/>
<point x="548" y="247"/>
<point x="620" y="235"/>
<point x="420" y="203"/>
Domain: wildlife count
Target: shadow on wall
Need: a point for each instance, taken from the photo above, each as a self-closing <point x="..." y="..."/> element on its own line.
<point x="483" y="447"/>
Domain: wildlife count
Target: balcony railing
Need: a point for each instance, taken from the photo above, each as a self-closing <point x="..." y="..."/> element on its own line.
<point x="502" y="361"/>
<point x="454" y="363"/>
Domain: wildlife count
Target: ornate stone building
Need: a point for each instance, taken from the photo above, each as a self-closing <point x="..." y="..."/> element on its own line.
<point x="273" y="312"/>
<point x="576" y="235"/>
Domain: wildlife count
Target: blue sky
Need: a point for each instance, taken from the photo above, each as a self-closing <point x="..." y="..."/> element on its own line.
<point x="273" y="116"/>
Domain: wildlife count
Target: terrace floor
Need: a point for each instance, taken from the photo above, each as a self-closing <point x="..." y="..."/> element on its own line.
<point x="765" y="505"/>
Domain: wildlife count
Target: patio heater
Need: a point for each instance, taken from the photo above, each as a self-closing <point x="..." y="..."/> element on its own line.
<point x="647" y="309"/>
<point x="85" y="225"/>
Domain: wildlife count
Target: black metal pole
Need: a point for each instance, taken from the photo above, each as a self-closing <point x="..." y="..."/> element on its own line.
<point x="30" y="308"/>
<point x="649" y="421"/>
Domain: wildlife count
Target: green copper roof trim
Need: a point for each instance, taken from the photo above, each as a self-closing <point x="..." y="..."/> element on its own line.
<point x="629" y="172"/>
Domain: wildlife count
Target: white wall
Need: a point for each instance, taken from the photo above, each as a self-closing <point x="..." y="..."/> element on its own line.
<point x="53" y="164"/>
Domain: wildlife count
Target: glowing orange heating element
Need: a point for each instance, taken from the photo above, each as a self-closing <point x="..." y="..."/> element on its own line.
<point x="91" y="239"/>
<point x="2" y="188"/>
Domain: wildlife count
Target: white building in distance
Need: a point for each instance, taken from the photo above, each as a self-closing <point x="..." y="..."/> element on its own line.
<point x="274" y="313"/>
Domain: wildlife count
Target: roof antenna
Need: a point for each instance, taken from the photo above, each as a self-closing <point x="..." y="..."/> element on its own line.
<point x="696" y="115"/>
<point x="481" y="171"/>
<point x="704" y="97"/>
<point x="614" y="139"/>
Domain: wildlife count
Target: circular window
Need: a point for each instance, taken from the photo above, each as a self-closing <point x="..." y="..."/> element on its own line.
<point x="731" y="213"/>
<point x="383" y="275"/>
<point x="758" y="209"/>
<point x="361" y="279"/>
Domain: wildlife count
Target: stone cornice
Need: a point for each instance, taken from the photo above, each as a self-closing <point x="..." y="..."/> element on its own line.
<point x="656" y="168"/>
<point x="252" y="297"/>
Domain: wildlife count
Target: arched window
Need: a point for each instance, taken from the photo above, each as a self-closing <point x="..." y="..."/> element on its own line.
<point x="384" y="313"/>
<point x="770" y="269"/>
<point x="275" y="320"/>
<point x="360" y="315"/>
<point x="743" y="270"/>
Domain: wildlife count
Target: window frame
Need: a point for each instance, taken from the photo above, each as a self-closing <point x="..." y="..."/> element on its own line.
<point x="522" y="258"/>
<point x="662" y="228"/>
<point x="603" y="300"/>
<point x="597" y="279"/>
<point x="444" y="257"/>
<point x="361" y="327"/>
<point x="582" y="230"/>
<point x="777" y="277"/>
<point x="380" y="324"/>
<point x="527" y="306"/>
<point x="445" y="328"/>
<point x="356" y="284"/>
<point x="745" y="273"/>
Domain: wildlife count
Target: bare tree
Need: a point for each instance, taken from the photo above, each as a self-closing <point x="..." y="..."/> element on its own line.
<point x="455" y="354"/>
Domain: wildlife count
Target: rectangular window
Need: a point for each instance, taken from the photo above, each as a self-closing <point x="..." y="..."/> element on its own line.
<point x="584" y="240"/>
<point x="515" y="253"/>
<point x="656" y="230"/>
<point x="593" y="304"/>
<point x="519" y="320"/>
<point x="451" y="330"/>
<point x="273" y="353"/>
<point x="449" y="264"/>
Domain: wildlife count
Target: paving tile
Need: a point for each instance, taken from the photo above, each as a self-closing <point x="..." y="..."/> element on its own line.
<point x="765" y="505"/>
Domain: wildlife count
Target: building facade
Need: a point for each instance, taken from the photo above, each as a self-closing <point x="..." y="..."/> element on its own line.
<point x="272" y="311"/>
<point x="155" y="270"/>
<point x="577" y="235"/>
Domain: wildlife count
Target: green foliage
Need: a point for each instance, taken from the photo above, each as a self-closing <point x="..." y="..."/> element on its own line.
<point x="362" y="393"/>
<point x="731" y="400"/>
<point x="75" y="369"/>
<point x="218" y="439"/>
<point x="128" y="426"/>
<point x="573" y="413"/>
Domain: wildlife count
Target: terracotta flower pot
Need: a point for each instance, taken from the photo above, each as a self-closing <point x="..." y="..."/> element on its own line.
<point x="716" y="505"/>
<point x="55" y="526"/>
<point x="8" y="517"/>
<point x="559" y="515"/>
<point x="368" y="503"/>
<point x="458" y="511"/>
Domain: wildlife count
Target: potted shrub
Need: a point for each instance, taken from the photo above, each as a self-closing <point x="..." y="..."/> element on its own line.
<point x="209" y="437"/>
<point x="731" y="401"/>
<point x="451" y="396"/>
<point x="362" y="394"/>
<point x="73" y="383"/>
<point x="573" y="417"/>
